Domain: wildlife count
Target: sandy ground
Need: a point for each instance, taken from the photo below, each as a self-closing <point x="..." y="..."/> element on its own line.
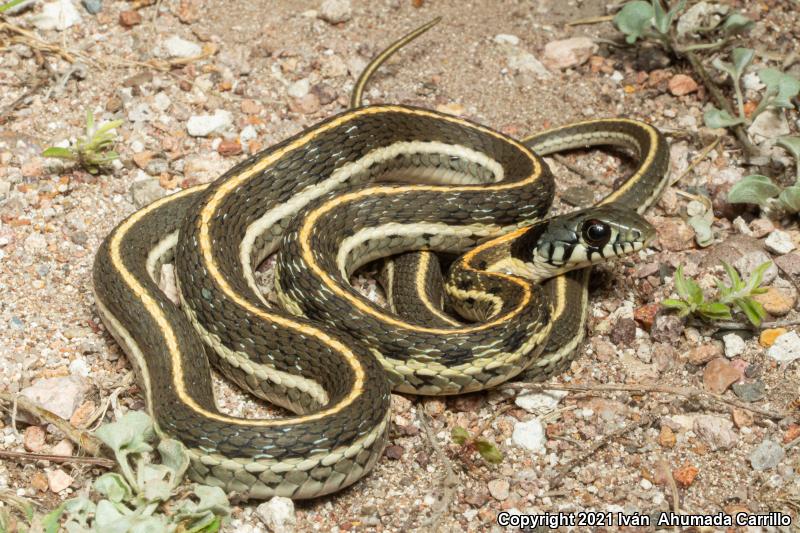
<point x="53" y="217"/>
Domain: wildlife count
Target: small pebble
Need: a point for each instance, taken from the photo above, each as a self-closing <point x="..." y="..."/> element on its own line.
<point x="278" y="515"/>
<point x="34" y="439"/>
<point x="768" y="336"/>
<point x="204" y="125"/>
<point x="335" y="11"/>
<point x="681" y="84"/>
<point x="779" y="242"/>
<point x="718" y="375"/>
<point x="786" y="348"/>
<point x="58" y="480"/>
<point x="506" y="38"/>
<point x="751" y="391"/>
<point x="130" y="18"/>
<point x="60" y="395"/>
<point x="529" y="435"/>
<point x="177" y="47"/>
<point x="685" y="475"/>
<point x="734" y="345"/>
<point x="145" y="192"/>
<point x="498" y="488"/>
<point x="767" y="455"/>
<point x="715" y="431"/>
<point x="92" y="6"/>
<point x="704" y="353"/>
<point x="776" y="302"/>
<point x="545" y="401"/>
<point x="568" y="53"/>
<point x="58" y="15"/>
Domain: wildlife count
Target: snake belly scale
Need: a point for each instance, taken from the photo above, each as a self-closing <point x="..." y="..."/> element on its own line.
<point x="478" y="187"/>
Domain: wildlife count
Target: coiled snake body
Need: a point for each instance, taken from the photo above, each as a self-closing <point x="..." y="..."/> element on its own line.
<point x="325" y="353"/>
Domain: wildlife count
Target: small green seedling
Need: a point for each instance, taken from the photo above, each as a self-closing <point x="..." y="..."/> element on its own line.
<point x="738" y="294"/>
<point x="10" y="5"/>
<point x="468" y="443"/>
<point x="93" y="151"/>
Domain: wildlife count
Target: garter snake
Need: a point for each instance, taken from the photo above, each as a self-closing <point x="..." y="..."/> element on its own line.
<point x="311" y="197"/>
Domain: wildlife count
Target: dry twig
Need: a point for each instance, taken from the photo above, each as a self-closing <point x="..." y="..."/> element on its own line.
<point x="686" y="392"/>
<point x="25" y="456"/>
<point x="85" y="440"/>
<point x="450" y="480"/>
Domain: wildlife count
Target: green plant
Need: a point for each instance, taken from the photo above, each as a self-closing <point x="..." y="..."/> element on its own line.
<point x="468" y="444"/>
<point x="146" y="497"/>
<point x="762" y="191"/>
<point x="738" y="294"/>
<point x="92" y="151"/>
<point x="650" y="21"/>
<point x="9" y="5"/>
<point x="780" y="88"/>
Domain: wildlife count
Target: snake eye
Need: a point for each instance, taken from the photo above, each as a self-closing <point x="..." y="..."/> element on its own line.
<point x="596" y="233"/>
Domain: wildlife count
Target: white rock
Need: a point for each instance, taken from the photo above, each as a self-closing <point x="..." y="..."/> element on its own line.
<point x="529" y="435"/>
<point x="498" y="488"/>
<point x="161" y="101"/>
<point x="545" y="401"/>
<point x="299" y="88"/>
<point x="786" y="348"/>
<point x="569" y="52"/>
<point x="522" y="61"/>
<point x="58" y="480"/>
<point x="140" y="112"/>
<point x="61" y="395"/>
<point x="770" y="124"/>
<point x="78" y="367"/>
<point x="177" y="47"/>
<point x="505" y="38"/>
<point x="715" y="431"/>
<point x="58" y="15"/>
<point x="203" y="125"/>
<point x="646" y="484"/>
<point x="752" y="82"/>
<point x="741" y="226"/>
<point x="248" y="133"/>
<point x="734" y="345"/>
<point x="278" y="514"/>
<point x="779" y="242"/>
<point x="336" y="11"/>
<point x="35" y="242"/>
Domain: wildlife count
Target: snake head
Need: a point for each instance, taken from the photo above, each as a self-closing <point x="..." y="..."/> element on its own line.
<point x="583" y="238"/>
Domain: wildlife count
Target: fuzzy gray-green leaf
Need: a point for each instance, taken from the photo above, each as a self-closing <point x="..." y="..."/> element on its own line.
<point x="173" y="456"/>
<point x="719" y="118"/>
<point x="736" y="23"/>
<point x="790" y="198"/>
<point x="753" y="189"/>
<point x="634" y="19"/>
<point x="113" y="486"/>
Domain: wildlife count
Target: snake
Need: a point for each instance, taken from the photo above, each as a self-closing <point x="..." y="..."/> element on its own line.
<point x="367" y="183"/>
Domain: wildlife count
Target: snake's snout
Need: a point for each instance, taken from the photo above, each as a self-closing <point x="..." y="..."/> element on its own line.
<point x="589" y="236"/>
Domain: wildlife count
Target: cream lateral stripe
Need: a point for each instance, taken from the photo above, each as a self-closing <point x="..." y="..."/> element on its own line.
<point x="167" y="243"/>
<point x="643" y="167"/>
<point x="165" y="327"/>
<point x="231" y="184"/>
<point x="422" y="269"/>
<point x="304" y="240"/>
<point x="341" y="175"/>
<point x="405" y="230"/>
